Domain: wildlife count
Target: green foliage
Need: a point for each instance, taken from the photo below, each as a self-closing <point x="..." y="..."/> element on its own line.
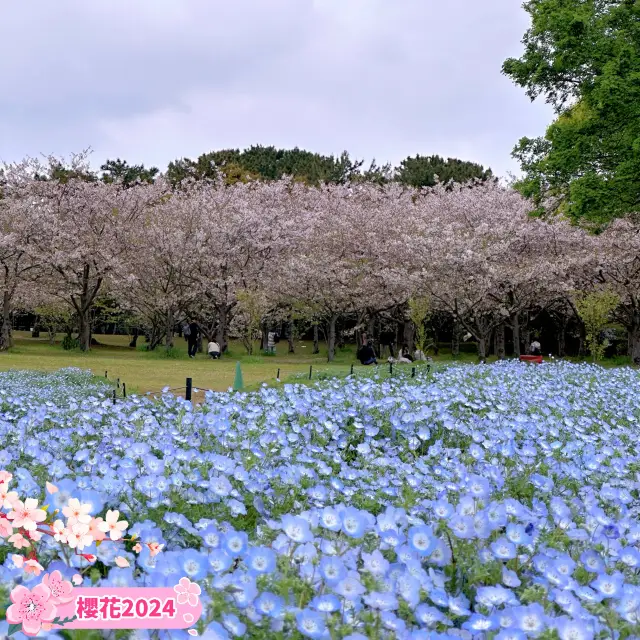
<point x="419" y="313"/>
<point x="595" y="310"/>
<point x="69" y="343"/>
<point x="120" y="171"/>
<point x="426" y="171"/>
<point x="584" y="57"/>
<point x="268" y="163"/>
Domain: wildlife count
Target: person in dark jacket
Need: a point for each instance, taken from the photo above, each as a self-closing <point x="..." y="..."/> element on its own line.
<point x="192" y="338"/>
<point x="367" y="355"/>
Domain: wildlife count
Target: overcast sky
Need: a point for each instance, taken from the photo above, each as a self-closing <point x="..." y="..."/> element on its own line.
<point x="153" y="80"/>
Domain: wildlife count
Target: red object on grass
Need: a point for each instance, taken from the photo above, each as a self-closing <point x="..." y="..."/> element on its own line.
<point x="536" y="359"/>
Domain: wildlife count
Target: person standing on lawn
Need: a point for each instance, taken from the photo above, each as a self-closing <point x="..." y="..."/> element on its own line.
<point x="192" y="338"/>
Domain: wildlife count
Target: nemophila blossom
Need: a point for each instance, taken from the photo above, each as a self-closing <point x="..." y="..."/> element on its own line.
<point x="260" y="560"/>
<point x="310" y="624"/>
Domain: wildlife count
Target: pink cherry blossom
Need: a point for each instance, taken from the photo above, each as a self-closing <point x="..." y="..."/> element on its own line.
<point x="33" y="566"/>
<point x="60" y="588"/>
<point x="78" y="536"/>
<point x="26" y="514"/>
<point x="31" y="608"/>
<point x="7" y="498"/>
<point x="75" y="511"/>
<point x="5" y="477"/>
<point x="121" y="562"/>
<point x="51" y="488"/>
<point x="94" y="529"/>
<point x="137" y="547"/>
<point x="112" y="526"/>
<point x="187" y="591"/>
<point x="155" y="548"/>
<point x="60" y="532"/>
<point x="19" y="541"/>
<point x="17" y="560"/>
<point x="77" y="579"/>
<point x="5" y="528"/>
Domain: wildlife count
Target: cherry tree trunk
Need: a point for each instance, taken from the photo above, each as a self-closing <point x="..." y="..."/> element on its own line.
<point x="408" y="336"/>
<point x="222" y="331"/>
<point x="84" y="333"/>
<point x="500" y="349"/>
<point x="562" y="340"/>
<point x="5" y="332"/>
<point x="633" y="332"/>
<point x="515" y="328"/>
<point x="482" y="348"/>
<point x="316" y="341"/>
<point x="168" y="338"/>
<point x="292" y="345"/>
<point x="455" y="339"/>
<point x="331" y="338"/>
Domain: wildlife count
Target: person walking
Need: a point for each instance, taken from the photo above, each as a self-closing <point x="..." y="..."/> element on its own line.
<point x="192" y="338"/>
<point x="271" y="342"/>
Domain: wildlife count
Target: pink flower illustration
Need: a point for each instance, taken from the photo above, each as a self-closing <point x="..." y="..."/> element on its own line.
<point x="187" y="591"/>
<point x="31" y="608"/>
<point x="60" y="588"/>
<point x="26" y="514"/>
<point x="5" y="528"/>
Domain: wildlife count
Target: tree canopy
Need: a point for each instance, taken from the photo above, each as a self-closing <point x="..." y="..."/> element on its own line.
<point x="270" y="163"/>
<point x="583" y="56"/>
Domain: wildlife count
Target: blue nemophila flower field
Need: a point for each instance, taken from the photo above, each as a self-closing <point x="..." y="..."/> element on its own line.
<point x="479" y="501"/>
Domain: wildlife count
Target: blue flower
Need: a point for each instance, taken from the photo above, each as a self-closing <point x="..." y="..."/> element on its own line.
<point x="260" y="560"/>
<point x="310" y="624"/>
<point x="421" y="540"/>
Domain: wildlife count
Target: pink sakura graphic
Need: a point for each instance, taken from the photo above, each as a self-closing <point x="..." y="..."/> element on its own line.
<point x="188" y="592"/>
<point x="24" y="523"/>
<point x="36" y="609"/>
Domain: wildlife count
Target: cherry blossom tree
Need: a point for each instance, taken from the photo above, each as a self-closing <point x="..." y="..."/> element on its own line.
<point x="84" y="230"/>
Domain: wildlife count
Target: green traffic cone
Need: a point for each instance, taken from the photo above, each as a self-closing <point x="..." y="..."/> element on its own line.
<point x="238" y="382"/>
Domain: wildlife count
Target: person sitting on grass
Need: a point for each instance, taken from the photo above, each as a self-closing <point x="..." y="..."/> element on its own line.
<point x="213" y="349"/>
<point x="367" y="355"/>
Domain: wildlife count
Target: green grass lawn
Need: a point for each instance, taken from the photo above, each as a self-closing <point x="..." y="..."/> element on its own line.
<point x="151" y="371"/>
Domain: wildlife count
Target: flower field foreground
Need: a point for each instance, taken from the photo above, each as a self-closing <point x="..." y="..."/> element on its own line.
<point x="480" y="501"/>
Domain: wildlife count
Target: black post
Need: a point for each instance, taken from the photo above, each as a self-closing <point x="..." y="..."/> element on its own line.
<point x="114" y="396"/>
<point x="118" y="383"/>
<point x="413" y="372"/>
<point x="278" y="375"/>
<point x="391" y="368"/>
<point x="310" y="371"/>
<point x="189" y="385"/>
<point x="351" y="370"/>
<point x="428" y="368"/>
<point x="105" y="374"/>
<point x="124" y="390"/>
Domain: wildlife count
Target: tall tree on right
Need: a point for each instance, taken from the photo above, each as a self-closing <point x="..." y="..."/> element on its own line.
<point x="583" y="56"/>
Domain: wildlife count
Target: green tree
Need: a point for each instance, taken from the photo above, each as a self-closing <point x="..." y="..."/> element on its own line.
<point x="120" y="170"/>
<point x="419" y="314"/>
<point x="426" y="171"/>
<point x="583" y="56"/>
<point x="595" y="311"/>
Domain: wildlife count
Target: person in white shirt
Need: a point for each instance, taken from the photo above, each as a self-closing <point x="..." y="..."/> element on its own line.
<point x="535" y="348"/>
<point x="213" y="349"/>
